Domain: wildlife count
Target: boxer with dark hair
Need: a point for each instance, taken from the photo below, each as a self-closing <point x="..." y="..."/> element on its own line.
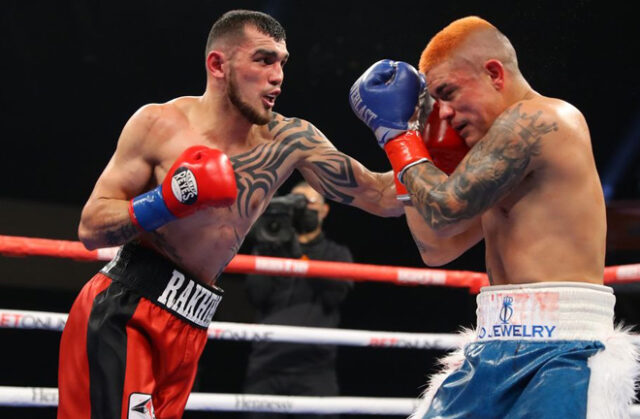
<point x="545" y="344"/>
<point x="186" y="182"/>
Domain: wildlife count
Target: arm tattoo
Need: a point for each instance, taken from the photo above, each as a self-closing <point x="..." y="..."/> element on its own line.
<point x="336" y="175"/>
<point x="335" y="169"/>
<point x="258" y="169"/>
<point x="494" y="167"/>
<point x="265" y="166"/>
<point x="122" y="234"/>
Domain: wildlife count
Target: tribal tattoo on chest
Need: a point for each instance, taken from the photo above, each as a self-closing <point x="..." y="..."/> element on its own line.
<point x="493" y="168"/>
<point x="267" y="165"/>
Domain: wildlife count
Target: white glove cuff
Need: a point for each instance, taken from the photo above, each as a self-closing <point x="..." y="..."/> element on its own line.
<point x="404" y="169"/>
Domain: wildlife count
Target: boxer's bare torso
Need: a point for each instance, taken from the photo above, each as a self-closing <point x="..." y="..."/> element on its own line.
<point x="204" y="242"/>
<point x="530" y="188"/>
<point x="551" y="226"/>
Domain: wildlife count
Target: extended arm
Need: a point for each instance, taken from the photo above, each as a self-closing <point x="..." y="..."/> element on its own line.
<point x="343" y="179"/>
<point x="336" y="175"/>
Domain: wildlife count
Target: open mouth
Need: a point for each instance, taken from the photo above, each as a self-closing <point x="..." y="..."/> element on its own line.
<point x="269" y="100"/>
<point x="460" y="127"/>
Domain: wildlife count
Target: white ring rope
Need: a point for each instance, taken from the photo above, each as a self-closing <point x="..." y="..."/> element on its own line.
<point x="48" y="397"/>
<point x="22" y="319"/>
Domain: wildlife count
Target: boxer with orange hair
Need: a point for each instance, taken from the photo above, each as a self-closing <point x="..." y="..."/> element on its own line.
<point x="545" y="344"/>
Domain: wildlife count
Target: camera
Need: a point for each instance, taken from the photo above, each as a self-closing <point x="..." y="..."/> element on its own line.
<point x="274" y="232"/>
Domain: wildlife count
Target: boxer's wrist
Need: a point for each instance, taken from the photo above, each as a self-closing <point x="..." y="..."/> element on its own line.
<point x="148" y="211"/>
<point x="404" y="151"/>
<point x="402" y="172"/>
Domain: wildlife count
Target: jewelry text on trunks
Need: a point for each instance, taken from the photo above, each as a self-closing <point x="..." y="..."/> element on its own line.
<point x="506" y="329"/>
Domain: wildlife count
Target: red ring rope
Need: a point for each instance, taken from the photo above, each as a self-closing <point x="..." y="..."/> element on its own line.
<point x="27" y="246"/>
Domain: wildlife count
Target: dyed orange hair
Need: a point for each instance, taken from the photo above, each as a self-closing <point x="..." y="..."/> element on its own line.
<point x="448" y="39"/>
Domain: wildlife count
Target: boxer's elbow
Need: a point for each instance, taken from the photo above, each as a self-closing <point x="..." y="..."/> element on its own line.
<point x="438" y="252"/>
<point x="434" y="252"/>
<point x="87" y="236"/>
<point x="105" y="223"/>
<point x="87" y="228"/>
<point x="437" y="257"/>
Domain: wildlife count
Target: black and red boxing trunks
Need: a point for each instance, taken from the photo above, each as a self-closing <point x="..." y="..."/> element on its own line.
<point x="132" y="342"/>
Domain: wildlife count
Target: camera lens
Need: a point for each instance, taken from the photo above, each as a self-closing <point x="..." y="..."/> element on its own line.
<point x="274" y="226"/>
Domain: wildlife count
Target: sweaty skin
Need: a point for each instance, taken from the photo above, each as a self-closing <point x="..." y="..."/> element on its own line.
<point x="528" y="186"/>
<point x="263" y="157"/>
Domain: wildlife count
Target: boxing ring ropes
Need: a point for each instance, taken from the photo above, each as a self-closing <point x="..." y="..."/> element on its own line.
<point x="16" y="246"/>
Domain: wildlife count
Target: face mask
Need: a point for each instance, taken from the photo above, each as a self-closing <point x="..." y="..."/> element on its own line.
<point x="307" y="221"/>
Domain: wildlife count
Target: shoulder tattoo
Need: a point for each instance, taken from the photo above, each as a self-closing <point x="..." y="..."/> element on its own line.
<point x="262" y="167"/>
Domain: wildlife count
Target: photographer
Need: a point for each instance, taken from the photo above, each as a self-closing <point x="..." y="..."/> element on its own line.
<point x="292" y="227"/>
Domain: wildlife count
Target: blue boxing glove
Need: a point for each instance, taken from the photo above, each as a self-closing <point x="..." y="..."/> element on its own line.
<point x="385" y="98"/>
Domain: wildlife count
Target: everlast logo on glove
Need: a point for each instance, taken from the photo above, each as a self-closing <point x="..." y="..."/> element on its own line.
<point x="184" y="186"/>
<point x="365" y="114"/>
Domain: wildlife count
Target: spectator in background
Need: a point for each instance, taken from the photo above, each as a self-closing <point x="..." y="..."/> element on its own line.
<point x="291" y="368"/>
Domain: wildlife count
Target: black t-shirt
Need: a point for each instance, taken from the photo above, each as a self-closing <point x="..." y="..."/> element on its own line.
<point x="296" y="301"/>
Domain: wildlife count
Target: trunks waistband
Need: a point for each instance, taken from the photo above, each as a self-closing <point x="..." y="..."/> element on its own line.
<point x="162" y="282"/>
<point x="545" y="311"/>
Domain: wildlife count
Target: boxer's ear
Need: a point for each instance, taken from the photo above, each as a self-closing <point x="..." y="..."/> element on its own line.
<point x="495" y="70"/>
<point x="214" y="63"/>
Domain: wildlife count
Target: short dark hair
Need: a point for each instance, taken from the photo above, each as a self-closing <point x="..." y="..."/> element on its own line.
<point x="233" y="23"/>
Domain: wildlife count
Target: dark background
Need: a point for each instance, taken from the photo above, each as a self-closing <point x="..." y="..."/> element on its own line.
<point x="72" y="72"/>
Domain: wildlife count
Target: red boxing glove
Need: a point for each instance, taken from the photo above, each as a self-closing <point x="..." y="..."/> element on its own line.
<point x="443" y="142"/>
<point x="201" y="177"/>
<point x="404" y="151"/>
